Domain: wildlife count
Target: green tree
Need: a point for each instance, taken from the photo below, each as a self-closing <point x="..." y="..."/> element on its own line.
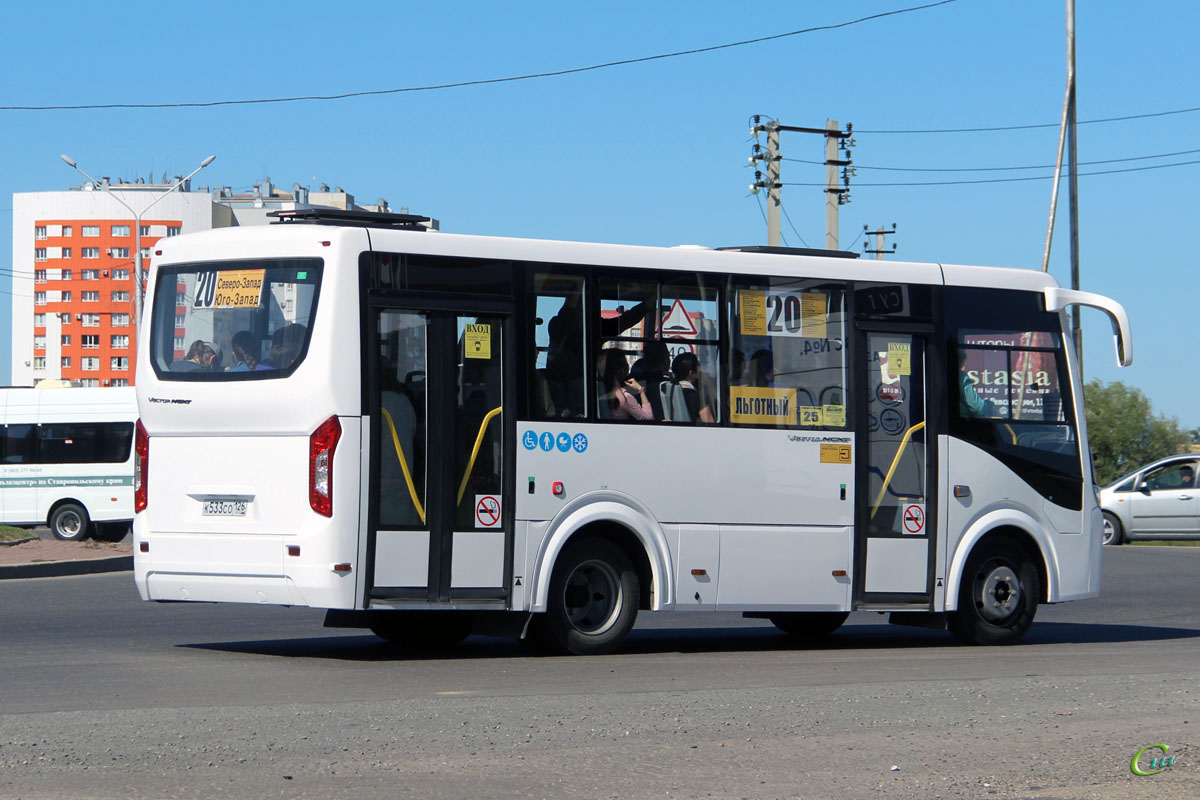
<point x="1123" y="430"/>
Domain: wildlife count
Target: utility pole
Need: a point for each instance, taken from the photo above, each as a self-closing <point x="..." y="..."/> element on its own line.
<point x="1066" y="138"/>
<point x="837" y="186"/>
<point x="1073" y="181"/>
<point x="773" y="199"/>
<point x="879" y="234"/>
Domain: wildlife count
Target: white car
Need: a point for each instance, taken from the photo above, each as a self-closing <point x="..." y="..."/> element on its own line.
<point x="1158" y="501"/>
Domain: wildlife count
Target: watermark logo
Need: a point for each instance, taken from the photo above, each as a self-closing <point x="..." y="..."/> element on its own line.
<point x="1156" y="763"/>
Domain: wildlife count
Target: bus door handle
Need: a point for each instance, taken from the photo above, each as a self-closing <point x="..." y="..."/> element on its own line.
<point x="400" y="455"/>
<point x="887" y="480"/>
<point x="462" y="487"/>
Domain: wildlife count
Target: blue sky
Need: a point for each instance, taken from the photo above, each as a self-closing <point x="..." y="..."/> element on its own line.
<point x="655" y="152"/>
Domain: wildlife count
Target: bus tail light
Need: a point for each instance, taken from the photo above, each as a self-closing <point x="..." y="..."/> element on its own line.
<point x="141" y="466"/>
<point x="321" y="445"/>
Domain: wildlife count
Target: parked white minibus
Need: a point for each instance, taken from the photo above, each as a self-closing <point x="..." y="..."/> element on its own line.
<point x="66" y="460"/>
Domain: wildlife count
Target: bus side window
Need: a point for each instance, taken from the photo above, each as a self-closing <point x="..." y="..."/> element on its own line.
<point x="788" y="368"/>
<point x="559" y="369"/>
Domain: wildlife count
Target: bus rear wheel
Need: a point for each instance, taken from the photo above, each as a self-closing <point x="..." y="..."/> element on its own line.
<point x="998" y="596"/>
<point x="69" y="522"/>
<point x="430" y="630"/>
<point x="809" y="627"/>
<point x="593" y="601"/>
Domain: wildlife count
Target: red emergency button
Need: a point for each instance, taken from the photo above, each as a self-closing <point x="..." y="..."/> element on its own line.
<point x="558" y="489"/>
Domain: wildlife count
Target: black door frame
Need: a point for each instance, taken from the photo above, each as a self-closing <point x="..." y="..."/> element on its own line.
<point x="934" y="422"/>
<point x="441" y="347"/>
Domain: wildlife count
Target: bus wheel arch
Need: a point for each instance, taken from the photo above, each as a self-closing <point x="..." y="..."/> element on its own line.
<point x="68" y="520"/>
<point x="629" y="543"/>
<point x="1002" y="580"/>
<point x="627" y="525"/>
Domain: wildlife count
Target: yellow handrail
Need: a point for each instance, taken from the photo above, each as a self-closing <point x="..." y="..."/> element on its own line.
<point x="412" y="490"/>
<point x="895" y="463"/>
<point x="475" y="451"/>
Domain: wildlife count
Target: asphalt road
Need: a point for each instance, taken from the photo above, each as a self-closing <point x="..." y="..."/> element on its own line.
<point x="105" y="696"/>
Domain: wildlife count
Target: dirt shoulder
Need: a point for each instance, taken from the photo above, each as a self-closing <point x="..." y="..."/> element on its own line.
<point x="39" y="550"/>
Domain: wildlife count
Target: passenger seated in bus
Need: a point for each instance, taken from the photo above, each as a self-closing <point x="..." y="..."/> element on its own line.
<point x="245" y="348"/>
<point x="285" y="345"/>
<point x="762" y="369"/>
<point x="202" y="356"/>
<point x="687" y="373"/>
<point x="656" y="374"/>
<point x="623" y="397"/>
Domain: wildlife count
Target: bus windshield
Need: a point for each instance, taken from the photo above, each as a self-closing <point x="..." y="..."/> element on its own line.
<point x="233" y="320"/>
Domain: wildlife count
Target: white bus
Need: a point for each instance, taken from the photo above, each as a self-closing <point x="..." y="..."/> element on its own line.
<point x="67" y="460"/>
<point x="429" y="434"/>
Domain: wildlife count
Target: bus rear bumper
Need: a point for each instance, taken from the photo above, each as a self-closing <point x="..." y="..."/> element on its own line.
<point x="203" y="567"/>
<point x="263" y="589"/>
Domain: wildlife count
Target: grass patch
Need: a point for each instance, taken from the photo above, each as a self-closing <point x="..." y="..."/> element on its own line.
<point x="11" y="534"/>
<point x="1168" y="543"/>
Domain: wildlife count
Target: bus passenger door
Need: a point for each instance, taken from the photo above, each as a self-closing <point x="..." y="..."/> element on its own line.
<point x="440" y="511"/>
<point x="897" y="502"/>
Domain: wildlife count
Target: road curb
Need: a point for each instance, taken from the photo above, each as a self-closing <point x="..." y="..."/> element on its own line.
<point x="59" y="569"/>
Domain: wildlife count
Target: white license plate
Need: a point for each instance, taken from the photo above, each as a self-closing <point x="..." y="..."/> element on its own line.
<point x="224" y="508"/>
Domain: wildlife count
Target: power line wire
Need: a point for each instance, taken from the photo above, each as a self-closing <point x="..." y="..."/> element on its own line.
<point x="1041" y="125"/>
<point x="1010" y="180"/>
<point x="792" y="224"/>
<point x="483" y="81"/>
<point x="1001" y="169"/>
<point x="856" y="238"/>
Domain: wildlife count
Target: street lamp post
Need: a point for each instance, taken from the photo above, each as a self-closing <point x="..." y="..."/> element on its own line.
<point x="137" y="230"/>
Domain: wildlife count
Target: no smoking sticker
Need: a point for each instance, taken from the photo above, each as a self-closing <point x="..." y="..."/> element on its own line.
<point x="914" y="519"/>
<point x="487" y="511"/>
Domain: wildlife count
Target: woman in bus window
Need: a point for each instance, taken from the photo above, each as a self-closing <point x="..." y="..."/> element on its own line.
<point x="625" y="397"/>
<point x="245" y="350"/>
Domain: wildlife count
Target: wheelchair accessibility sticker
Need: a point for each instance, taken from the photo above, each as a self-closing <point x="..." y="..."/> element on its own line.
<point x="563" y="441"/>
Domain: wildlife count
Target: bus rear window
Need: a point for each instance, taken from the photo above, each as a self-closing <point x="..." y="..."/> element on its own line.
<point x="233" y="320"/>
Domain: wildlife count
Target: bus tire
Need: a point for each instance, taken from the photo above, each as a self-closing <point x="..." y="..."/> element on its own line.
<point x="998" y="596"/>
<point x="1113" y="532"/>
<point x="593" y="601"/>
<point x="422" y="630"/>
<point x="809" y="627"/>
<point x="69" y="522"/>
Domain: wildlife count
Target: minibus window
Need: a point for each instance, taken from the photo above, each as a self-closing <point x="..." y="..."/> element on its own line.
<point x="233" y="320"/>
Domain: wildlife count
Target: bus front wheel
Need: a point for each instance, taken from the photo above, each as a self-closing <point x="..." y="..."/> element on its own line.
<point x="69" y="522"/>
<point x="593" y="601"/>
<point x="998" y="596"/>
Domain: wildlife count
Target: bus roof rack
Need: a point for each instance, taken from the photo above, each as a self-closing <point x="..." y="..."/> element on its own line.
<point x="338" y="216"/>
<point x="791" y="251"/>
